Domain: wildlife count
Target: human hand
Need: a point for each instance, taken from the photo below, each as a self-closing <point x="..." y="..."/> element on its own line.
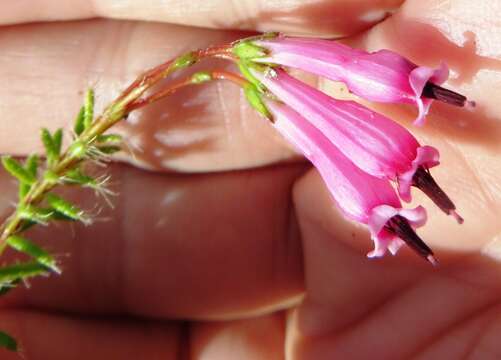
<point x="215" y="264"/>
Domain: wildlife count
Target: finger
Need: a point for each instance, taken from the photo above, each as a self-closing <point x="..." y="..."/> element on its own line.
<point x="58" y="337"/>
<point x="204" y="128"/>
<point x="292" y="16"/>
<point x="355" y="307"/>
<point x="249" y="339"/>
<point x="201" y="246"/>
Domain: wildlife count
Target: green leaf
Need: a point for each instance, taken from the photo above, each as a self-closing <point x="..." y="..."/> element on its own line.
<point x="14" y="168"/>
<point x="88" y="109"/>
<point x="79" y="121"/>
<point x="35" y="214"/>
<point x="109" y="138"/>
<point x="65" y="207"/>
<point x="76" y="176"/>
<point x="7" y="341"/>
<point x="24" y="245"/>
<point x="109" y="149"/>
<point x="57" y="138"/>
<point x="12" y="273"/>
<point x="31" y="165"/>
<point x="8" y="286"/>
<point x="50" y="146"/>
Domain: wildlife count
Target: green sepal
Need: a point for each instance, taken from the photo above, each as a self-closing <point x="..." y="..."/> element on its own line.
<point x="254" y="97"/>
<point x="184" y="61"/>
<point x="13" y="273"/>
<point x="7" y="342"/>
<point x="247" y="50"/>
<point x="65" y="208"/>
<point x="79" y="121"/>
<point x="88" y="108"/>
<point x="27" y="247"/>
<point x="35" y="214"/>
<point x="15" y="168"/>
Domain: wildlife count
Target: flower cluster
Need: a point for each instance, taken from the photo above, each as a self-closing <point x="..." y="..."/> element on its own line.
<point x="358" y="152"/>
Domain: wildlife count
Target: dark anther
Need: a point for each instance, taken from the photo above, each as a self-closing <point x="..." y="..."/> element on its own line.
<point x="439" y="93"/>
<point x="423" y="180"/>
<point x="399" y="226"/>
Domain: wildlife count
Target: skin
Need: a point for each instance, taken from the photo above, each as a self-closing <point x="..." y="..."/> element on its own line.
<point x="231" y="248"/>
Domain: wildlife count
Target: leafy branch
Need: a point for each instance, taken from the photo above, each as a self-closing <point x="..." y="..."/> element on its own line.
<point x="37" y="180"/>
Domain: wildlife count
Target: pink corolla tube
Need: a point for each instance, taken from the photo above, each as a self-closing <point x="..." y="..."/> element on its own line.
<point x="374" y="143"/>
<point x="382" y="76"/>
<point x="360" y="196"/>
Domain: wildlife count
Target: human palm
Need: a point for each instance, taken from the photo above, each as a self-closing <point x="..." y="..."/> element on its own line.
<point x="234" y="250"/>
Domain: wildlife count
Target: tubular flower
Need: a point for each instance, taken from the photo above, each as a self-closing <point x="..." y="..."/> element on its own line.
<point x="382" y="76"/>
<point x="360" y="196"/>
<point x="374" y="143"/>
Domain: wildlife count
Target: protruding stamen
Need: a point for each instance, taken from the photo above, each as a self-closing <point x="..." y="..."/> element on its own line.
<point x="439" y="93"/>
<point x="401" y="228"/>
<point x="423" y="180"/>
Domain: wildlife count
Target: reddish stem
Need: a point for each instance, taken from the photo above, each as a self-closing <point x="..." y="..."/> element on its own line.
<point x="156" y="74"/>
<point x="171" y="88"/>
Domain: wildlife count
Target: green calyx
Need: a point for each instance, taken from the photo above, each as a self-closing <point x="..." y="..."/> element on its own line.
<point x="254" y="97"/>
<point x="247" y="50"/>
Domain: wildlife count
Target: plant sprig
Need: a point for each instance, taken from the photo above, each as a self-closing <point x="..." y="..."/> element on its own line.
<point x="39" y="205"/>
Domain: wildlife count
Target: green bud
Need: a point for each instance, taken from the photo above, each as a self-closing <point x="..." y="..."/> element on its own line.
<point x="79" y="121"/>
<point x="247" y="50"/>
<point x="14" y="168"/>
<point x="201" y="77"/>
<point x="29" y="248"/>
<point x="184" y="61"/>
<point x="65" y="208"/>
<point x="7" y="342"/>
<point x="255" y="100"/>
<point x="88" y="108"/>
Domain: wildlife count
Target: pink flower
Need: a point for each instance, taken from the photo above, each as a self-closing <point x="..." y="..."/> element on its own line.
<point x="360" y="196"/>
<point x="382" y="76"/>
<point x="374" y="143"/>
